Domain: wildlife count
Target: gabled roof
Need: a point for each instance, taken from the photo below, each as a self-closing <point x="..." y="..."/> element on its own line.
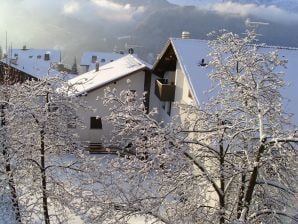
<point x="108" y="73"/>
<point x="190" y="52"/>
<point x="32" y="61"/>
<point x="101" y="57"/>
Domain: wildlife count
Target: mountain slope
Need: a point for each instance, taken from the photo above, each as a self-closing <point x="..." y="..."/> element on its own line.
<point x="290" y="5"/>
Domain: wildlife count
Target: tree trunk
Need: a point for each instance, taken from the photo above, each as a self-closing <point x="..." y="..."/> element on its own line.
<point x="222" y="182"/>
<point x="44" y="180"/>
<point x="241" y="195"/>
<point x="252" y="183"/>
<point x="8" y="171"/>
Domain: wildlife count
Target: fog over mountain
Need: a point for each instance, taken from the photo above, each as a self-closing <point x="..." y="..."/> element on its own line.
<point x="291" y="5"/>
<point x="75" y="26"/>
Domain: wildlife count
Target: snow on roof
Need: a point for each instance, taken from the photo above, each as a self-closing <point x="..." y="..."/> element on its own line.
<point x="291" y="77"/>
<point x="35" y="62"/>
<point x="190" y="52"/>
<point x="108" y="73"/>
<point x="90" y="58"/>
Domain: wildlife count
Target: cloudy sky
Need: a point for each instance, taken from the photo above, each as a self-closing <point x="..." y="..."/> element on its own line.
<point x="65" y="24"/>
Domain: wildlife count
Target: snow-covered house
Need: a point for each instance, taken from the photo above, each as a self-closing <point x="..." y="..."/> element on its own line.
<point x="91" y="86"/>
<point x="34" y="62"/>
<point x="181" y="76"/>
<point x="89" y="59"/>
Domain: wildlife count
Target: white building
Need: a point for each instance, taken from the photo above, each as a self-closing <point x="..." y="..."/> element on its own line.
<point x="91" y="86"/>
<point x="89" y="59"/>
<point x="182" y="77"/>
<point x="34" y="62"/>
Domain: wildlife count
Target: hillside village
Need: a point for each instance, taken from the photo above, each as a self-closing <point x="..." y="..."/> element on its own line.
<point x="179" y="76"/>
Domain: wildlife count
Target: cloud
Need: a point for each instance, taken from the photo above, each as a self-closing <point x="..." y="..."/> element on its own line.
<point x="117" y="12"/>
<point x="271" y="12"/>
<point x="71" y="7"/>
<point x="101" y="9"/>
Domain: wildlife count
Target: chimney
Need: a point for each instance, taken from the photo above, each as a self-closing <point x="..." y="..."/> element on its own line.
<point x="185" y="35"/>
<point x="97" y="66"/>
<point x="47" y="56"/>
<point x="131" y="51"/>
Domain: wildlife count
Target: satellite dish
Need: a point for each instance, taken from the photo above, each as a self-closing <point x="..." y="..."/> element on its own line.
<point x="130" y="50"/>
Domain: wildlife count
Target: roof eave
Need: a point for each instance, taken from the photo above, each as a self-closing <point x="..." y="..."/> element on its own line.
<point x="185" y="73"/>
<point x="167" y="45"/>
<point x="145" y="68"/>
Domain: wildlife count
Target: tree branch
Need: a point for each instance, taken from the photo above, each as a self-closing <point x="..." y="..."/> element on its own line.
<point x="203" y="169"/>
<point x="268" y="212"/>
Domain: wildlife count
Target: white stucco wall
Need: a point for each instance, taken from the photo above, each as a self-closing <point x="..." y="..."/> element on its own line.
<point x="182" y="90"/>
<point x="96" y="135"/>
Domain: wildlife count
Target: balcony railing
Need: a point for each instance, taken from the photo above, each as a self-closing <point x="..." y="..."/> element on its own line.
<point x="164" y="91"/>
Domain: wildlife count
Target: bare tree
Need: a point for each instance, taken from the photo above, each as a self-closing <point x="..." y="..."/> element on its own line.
<point x="232" y="160"/>
<point x="8" y="77"/>
<point x="47" y="155"/>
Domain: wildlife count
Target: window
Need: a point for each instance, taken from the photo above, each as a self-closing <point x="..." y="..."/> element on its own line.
<point x="72" y="123"/>
<point x="72" y="118"/>
<point x="52" y="107"/>
<point x="163" y="105"/>
<point x="95" y="123"/>
<point x="131" y="95"/>
<point x="169" y="108"/>
<point x="47" y="56"/>
<point x="94" y="59"/>
<point x="189" y="95"/>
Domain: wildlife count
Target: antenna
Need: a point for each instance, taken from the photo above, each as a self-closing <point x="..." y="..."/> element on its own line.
<point x="124" y="37"/>
<point x="128" y="46"/>
<point x="254" y="25"/>
<point x="6" y="41"/>
<point x="6" y="50"/>
<point x="10" y="50"/>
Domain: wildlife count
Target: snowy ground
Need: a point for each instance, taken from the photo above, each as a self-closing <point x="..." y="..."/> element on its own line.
<point x="5" y="218"/>
<point x="77" y="220"/>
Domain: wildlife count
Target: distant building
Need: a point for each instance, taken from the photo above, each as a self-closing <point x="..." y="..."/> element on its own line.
<point x="10" y="75"/>
<point x="89" y="59"/>
<point x="37" y="63"/>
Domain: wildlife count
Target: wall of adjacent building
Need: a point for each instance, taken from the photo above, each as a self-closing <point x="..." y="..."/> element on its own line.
<point x="96" y="135"/>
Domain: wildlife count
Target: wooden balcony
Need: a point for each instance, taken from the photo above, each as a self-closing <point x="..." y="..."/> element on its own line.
<point x="164" y="91"/>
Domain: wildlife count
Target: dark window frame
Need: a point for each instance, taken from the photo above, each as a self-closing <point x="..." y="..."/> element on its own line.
<point x="93" y="58"/>
<point x="190" y="95"/>
<point x="95" y="123"/>
<point x="169" y="109"/>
